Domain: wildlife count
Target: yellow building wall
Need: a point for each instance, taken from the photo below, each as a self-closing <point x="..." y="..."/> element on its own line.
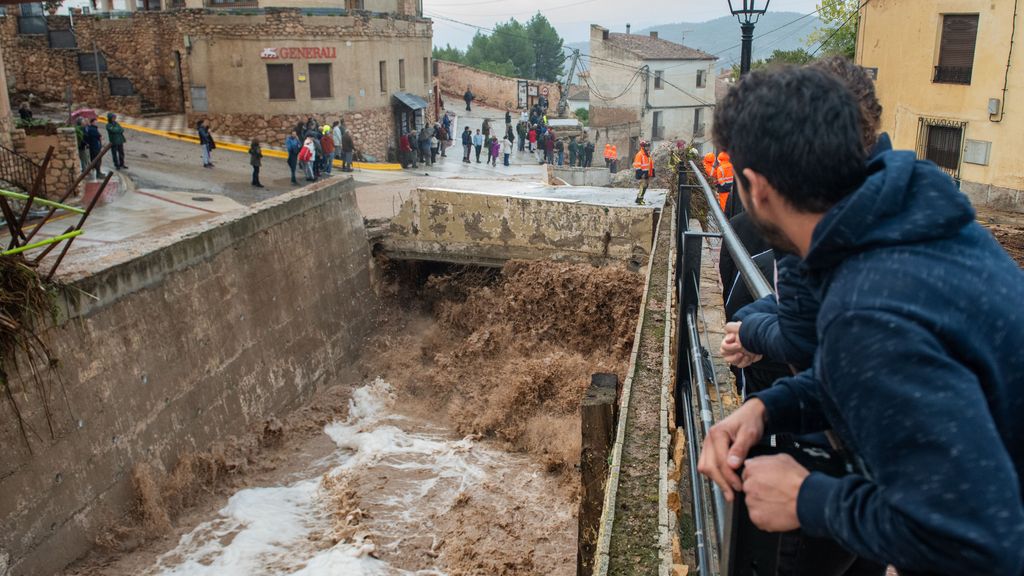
<point x="901" y="39"/>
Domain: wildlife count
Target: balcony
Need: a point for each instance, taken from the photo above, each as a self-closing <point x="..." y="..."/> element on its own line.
<point x="953" y="74"/>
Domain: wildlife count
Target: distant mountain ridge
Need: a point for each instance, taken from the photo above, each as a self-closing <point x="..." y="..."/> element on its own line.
<point x="721" y="36"/>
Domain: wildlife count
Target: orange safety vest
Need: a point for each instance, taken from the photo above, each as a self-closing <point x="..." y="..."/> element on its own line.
<point x="724" y="175"/>
<point x="615" y="152"/>
<point x="607" y="151"/>
<point x="642" y="161"/>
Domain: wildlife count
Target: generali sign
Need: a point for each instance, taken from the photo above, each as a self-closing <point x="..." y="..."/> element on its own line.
<point x="298" y="53"/>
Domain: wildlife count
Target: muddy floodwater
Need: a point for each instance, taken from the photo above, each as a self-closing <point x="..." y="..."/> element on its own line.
<point x="396" y="489"/>
<point x="456" y="453"/>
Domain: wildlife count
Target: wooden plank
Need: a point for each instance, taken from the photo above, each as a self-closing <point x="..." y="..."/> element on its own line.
<point x="597" y="415"/>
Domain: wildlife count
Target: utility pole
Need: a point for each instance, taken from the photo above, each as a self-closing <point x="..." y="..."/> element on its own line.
<point x="746" y="41"/>
<point x="646" y="70"/>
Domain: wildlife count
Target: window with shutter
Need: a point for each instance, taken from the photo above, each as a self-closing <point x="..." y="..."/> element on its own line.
<point x="956" y="49"/>
<point x="941" y="140"/>
<point x="281" y="82"/>
<point x="319" y="80"/>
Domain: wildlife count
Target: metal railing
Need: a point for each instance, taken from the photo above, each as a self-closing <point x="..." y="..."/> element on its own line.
<point x="695" y="375"/>
<point x="953" y="74"/>
<point x="19" y="170"/>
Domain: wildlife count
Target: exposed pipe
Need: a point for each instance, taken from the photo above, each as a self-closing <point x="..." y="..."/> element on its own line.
<point x="1009" y="55"/>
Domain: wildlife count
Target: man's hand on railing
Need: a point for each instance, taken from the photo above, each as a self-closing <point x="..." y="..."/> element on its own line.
<point x="732" y="349"/>
<point x="728" y="443"/>
<point x="772" y="486"/>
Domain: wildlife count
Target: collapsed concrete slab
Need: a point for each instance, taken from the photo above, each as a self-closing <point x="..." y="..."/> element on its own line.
<point x="596" y="225"/>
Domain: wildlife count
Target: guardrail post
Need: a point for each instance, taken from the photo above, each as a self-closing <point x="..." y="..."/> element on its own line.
<point x="597" y="414"/>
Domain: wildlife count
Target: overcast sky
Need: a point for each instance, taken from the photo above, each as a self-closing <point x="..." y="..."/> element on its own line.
<point x="573" y="18"/>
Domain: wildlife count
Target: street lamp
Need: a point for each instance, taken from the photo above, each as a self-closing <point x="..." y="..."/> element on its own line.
<point x="747" y="12"/>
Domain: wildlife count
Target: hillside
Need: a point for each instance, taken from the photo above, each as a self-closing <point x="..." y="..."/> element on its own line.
<point x="721" y="36"/>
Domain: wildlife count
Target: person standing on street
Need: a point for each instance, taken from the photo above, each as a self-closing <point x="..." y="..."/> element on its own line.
<point x="478" y="143"/>
<point x="531" y="137"/>
<point x="574" y="150"/>
<point x="83" y="150"/>
<point x="434" y="142"/>
<point x="255" y="160"/>
<point x="468" y="97"/>
<point x="423" y="141"/>
<point x="506" y="149"/>
<point x="508" y="117"/>
<point x="307" y="156"/>
<point x="206" y="143"/>
<point x="405" y="151"/>
<point x="327" y="144"/>
<point x="115" y="135"/>
<point x="549" y="147"/>
<point x="95" y="143"/>
<point x="495" y="150"/>
<point x="348" y="148"/>
<point x="486" y="129"/>
<point x="467" y="144"/>
<point x="521" y="131"/>
<point x="588" y="154"/>
<point x="644" y="167"/>
<point x="560" y="151"/>
<point x="292" y="146"/>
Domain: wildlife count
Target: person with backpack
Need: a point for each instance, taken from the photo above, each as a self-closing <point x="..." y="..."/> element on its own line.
<point x="255" y="160"/>
<point x="468" y="97"/>
<point x="292" y="146"/>
<point x="307" y="156"/>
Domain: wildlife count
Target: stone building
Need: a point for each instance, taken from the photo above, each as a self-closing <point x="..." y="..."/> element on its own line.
<point x="647" y="88"/>
<point x="945" y="75"/>
<point x="252" y="68"/>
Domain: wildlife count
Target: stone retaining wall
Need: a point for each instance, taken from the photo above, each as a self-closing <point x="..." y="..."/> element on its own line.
<point x="174" y="347"/>
<point x="64" y="165"/>
<point x="489" y="89"/>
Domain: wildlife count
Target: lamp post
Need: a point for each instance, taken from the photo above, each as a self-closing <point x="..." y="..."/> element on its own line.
<point x="747" y="12"/>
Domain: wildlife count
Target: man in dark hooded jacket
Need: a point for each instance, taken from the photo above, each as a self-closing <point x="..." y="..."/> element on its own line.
<point x="918" y="369"/>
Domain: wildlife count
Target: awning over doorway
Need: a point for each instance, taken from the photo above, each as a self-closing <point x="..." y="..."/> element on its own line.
<point x="411" y="101"/>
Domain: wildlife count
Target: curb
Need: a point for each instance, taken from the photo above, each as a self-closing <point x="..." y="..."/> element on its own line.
<point x="382" y="166"/>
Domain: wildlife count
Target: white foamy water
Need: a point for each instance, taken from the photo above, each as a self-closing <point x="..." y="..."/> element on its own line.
<point x="405" y="473"/>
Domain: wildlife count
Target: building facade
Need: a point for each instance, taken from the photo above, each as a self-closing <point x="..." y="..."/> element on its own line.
<point x="646" y="88"/>
<point x="252" y="72"/>
<point x="949" y="81"/>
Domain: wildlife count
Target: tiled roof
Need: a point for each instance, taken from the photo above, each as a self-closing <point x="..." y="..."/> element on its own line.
<point x="649" y="48"/>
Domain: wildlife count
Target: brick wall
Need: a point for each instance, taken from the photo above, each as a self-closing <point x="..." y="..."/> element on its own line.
<point x="490" y="89"/>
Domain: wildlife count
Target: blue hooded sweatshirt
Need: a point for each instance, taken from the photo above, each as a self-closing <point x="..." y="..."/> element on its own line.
<point x="784" y="330"/>
<point x="920" y="373"/>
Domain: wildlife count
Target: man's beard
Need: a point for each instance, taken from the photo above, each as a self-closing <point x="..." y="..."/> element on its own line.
<point x="767" y="230"/>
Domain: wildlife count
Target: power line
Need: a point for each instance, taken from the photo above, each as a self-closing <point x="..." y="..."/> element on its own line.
<point x="841" y="26"/>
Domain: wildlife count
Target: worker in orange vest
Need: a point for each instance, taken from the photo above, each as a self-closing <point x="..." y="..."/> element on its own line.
<point x="608" y="156"/>
<point x="709" y="167"/>
<point x="724" y="175"/>
<point x="614" y="164"/>
<point x="644" y="167"/>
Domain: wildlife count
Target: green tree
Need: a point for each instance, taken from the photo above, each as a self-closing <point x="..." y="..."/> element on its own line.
<point x="547" y="47"/>
<point x="533" y="50"/>
<point x="838" y="36"/>
<point x="448" y="53"/>
<point x="797" y="57"/>
<point x="583" y="115"/>
<point x="509" y="43"/>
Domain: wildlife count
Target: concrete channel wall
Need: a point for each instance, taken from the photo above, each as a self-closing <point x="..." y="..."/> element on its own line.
<point x="175" y="349"/>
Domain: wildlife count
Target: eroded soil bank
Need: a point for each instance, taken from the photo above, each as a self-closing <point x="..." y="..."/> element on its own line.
<point x="455" y="454"/>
